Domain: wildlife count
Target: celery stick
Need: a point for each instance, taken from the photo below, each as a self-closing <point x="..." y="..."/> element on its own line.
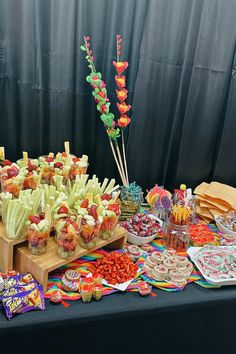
<point x="23" y="221"/>
<point x="104" y="184"/>
<point x="58" y="180"/>
<point x="46" y="192"/>
<point x="13" y="211"/>
<point x="110" y="185"/>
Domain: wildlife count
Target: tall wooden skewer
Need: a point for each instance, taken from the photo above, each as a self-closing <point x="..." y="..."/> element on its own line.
<point x="117" y="163"/>
<point x="121" y="161"/>
<point x="124" y="154"/>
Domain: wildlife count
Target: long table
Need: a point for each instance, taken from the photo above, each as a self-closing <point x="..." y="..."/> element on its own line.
<point x="195" y="321"/>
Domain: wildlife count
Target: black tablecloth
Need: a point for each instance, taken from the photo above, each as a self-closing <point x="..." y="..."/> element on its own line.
<point x="196" y="321"/>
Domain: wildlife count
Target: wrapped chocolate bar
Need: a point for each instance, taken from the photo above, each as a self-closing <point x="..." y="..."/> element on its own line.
<point x="22" y="302"/>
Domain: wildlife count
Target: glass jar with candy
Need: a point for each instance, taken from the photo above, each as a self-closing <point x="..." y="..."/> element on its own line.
<point x="176" y="235"/>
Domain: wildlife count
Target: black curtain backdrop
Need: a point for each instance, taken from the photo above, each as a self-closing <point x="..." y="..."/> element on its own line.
<point x="181" y="81"/>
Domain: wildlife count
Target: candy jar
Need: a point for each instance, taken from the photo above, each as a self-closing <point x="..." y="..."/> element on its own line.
<point x="177" y="237"/>
<point x="38" y="230"/>
<point x="67" y="236"/>
<point x="71" y="280"/>
<point x="110" y="220"/>
<point x="131" y="200"/>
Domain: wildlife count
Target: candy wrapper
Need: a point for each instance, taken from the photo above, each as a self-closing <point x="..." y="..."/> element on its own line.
<point x="22" y="294"/>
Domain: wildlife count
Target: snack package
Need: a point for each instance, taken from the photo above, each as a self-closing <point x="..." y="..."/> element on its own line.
<point x="19" y="288"/>
<point x="25" y="301"/>
<point x="21" y="293"/>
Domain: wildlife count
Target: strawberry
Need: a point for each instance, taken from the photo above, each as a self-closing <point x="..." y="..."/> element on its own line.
<point x="75" y="226"/>
<point x="114" y="207"/>
<point x="93" y="212"/>
<point x="84" y="204"/>
<point x="106" y="196"/>
<point x="7" y="163"/>
<point x="49" y="159"/>
<point x="35" y="219"/>
<point x="76" y="159"/>
<point x="58" y="164"/>
<point x="42" y="215"/>
<point x="12" y="172"/>
<point x="63" y="210"/>
<point x="32" y="167"/>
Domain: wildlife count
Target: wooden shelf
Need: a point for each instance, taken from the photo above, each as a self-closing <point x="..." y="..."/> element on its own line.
<point x="40" y="266"/>
<point x="7" y="250"/>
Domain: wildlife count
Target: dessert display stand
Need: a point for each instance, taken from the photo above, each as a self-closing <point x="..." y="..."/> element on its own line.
<point x="40" y="266"/>
<point x="7" y="250"/>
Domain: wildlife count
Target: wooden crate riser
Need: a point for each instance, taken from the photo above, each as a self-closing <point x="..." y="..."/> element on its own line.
<point x="41" y="266"/>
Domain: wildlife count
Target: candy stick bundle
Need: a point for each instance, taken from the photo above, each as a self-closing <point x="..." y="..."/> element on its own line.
<point x="180" y="214"/>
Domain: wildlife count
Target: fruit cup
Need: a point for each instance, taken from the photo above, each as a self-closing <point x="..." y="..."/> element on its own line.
<point x="47" y="174"/>
<point x="110" y="221"/>
<point x="67" y="239"/>
<point x="12" y="185"/>
<point x="31" y="181"/>
<point x="37" y="239"/>
<point x="77" y="169"/>
<point x="89" y="232"/>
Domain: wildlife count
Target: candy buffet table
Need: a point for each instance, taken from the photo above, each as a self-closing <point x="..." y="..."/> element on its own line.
<point x="196" y="321"/>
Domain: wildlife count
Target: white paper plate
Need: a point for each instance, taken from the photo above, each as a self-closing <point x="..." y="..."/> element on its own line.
<point x="121" y="287"/>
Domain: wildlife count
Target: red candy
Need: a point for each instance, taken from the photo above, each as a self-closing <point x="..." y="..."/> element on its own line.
<point x="115" y="267"/>
<point x="201" y="235"/>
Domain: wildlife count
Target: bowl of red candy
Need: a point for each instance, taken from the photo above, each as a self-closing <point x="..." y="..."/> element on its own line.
<point x="142" y="228"/>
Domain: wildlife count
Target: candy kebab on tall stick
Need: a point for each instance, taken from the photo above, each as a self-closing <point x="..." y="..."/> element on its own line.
<point x="121" y="93"/>
<point x="103" y="106"/>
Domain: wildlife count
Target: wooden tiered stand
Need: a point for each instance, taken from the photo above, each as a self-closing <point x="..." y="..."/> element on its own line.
<point x="7" y="250"/>
<point x="40" y="266"/>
